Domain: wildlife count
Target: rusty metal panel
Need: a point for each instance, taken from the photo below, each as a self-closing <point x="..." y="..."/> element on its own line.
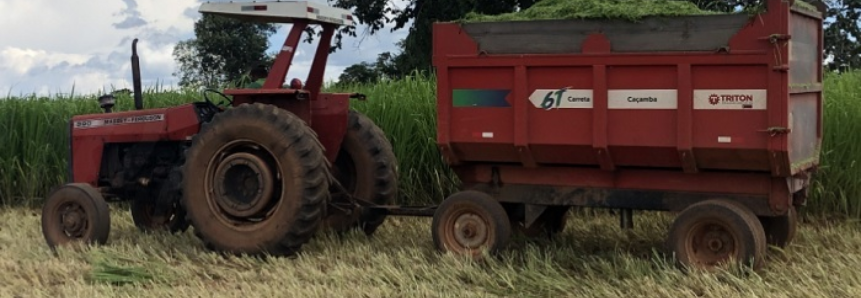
<point x="803" y="57"/>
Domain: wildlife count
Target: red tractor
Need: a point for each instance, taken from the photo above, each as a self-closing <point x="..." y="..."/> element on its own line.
<point x="259" y="172"/>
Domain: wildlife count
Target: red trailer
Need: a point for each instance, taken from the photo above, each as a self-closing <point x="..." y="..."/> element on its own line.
<point x="716" y="116"/>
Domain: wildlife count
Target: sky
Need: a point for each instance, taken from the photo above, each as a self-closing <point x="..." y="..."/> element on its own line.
<point x="57" y="47"/>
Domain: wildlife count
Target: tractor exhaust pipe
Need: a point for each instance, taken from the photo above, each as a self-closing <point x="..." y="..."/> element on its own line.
<point x="136" y="76"/>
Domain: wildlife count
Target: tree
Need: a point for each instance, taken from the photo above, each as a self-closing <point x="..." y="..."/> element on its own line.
<point x="222" y="51"/>
<point x="842" y="29"/>
<point x="416" y="49"/>
<point x="360" y="73"/>
<point x="841" y="34"/>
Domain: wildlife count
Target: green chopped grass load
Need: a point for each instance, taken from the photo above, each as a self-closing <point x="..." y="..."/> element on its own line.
<point x="806" y="6"/>
<point x="595" y="9"/>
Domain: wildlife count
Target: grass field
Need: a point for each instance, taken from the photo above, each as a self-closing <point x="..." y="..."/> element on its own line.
<point x="592" y="258"/>
<point x="33" y="130"/>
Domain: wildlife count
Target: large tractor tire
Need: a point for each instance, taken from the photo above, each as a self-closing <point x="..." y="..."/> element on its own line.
<point x="255" y="182"/>
<point x="366" y="167"/>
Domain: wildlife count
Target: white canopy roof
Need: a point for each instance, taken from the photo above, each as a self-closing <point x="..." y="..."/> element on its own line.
<point x="280" y="12"/>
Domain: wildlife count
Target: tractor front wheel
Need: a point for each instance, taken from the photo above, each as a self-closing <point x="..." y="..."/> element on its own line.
<point x="366" y="169"/>
<point x="255" y="182"/>
<point x="75" y="213"/>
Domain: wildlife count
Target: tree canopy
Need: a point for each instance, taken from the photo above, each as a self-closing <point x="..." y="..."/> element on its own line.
<point x="222" y="50"/>
<point x="375" y="14"/>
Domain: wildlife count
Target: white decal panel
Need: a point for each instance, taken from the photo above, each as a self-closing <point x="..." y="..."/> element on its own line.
<point x="728" y="99"/>
<point x="94" y="123"/>
<point x="564" y="98"/>
<point x="655" y="99"/>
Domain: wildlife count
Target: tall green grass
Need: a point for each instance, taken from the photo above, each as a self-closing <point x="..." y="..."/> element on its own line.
<point x="406" y="111"/>
<point x="837" y="186"/>
<point x="34" y="138"/>
<point x="33" y="142"/>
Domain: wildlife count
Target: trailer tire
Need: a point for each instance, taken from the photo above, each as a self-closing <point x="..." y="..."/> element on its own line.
<point x="707" y="234"/>
<point x="781" y="230"/>
<point x="469" y="223"/>
<point x="366" y="167"/>
<point x="281" y="202"/>
<point x="88" y="221"/>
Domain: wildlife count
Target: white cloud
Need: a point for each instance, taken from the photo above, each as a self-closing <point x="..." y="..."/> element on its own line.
<point x="167" y="14"/>
<point x="18" y="61"/>
<point x="86" y="44"/>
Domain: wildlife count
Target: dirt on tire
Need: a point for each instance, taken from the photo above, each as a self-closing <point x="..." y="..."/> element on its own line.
<point x="295" y="158"/>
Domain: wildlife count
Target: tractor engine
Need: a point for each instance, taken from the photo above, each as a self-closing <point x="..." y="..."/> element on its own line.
<point x="149" y="175"/>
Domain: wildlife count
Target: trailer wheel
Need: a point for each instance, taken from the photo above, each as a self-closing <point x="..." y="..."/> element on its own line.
<point x="255" y="182"/>
<point x="711" y="233"/>
<point x="780" y="230"/>
<point x="75" y="213"/>
<point x="366" y="168"/>
<point x="469" y="223"/>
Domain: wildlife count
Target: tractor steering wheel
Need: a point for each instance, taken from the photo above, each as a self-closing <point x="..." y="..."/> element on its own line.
<point x="229" y="101"/>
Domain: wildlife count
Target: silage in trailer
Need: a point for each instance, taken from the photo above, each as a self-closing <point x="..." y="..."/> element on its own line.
<point x="595" y="9"/>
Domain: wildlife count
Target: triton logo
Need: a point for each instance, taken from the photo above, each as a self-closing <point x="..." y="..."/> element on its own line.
<point x="714" y="99"/>
<point x="745" y="100"/>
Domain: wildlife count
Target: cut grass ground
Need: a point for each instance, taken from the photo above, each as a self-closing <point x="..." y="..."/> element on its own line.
<point x="592" y="258"/>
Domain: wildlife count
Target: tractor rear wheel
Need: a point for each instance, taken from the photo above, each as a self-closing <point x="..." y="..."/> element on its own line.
<point x="75" y="213"/>
<point x="709" y="234"/>
<point x="366" y="169"/>
<point x="255" y="182"/>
